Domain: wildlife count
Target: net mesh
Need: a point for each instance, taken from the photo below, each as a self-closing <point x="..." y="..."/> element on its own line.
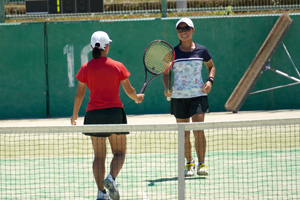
<point x="158" y="57"/>
<point x="246" y="160"/>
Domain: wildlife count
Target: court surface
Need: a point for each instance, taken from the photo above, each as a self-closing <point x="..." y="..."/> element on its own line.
<point x="250" y="173"/>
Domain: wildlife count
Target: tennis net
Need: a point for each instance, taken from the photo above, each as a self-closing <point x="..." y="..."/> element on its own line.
<point x="258" y="159"/>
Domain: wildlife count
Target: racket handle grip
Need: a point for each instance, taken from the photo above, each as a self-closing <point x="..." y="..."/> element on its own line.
<point x="143" y="89"/>
<point x="169" y="98"/>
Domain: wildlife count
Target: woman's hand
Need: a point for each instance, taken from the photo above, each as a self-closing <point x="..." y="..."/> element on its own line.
<point x="168" y="93"/>
<point x="74" y="120"/>
<point x="140" y="98"/>
<point x="207" y="87"/>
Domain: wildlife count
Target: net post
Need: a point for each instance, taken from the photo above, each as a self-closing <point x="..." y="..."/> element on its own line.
<point x="181" y="162"/>
<point x="2" y="11"/>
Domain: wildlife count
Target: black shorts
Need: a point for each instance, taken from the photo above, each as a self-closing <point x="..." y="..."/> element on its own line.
<point x="105" y="116"/>
<point x="186" y="108"/>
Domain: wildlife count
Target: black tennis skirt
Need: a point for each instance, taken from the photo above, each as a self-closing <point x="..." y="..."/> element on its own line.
<point x="105" y="116"/>
<point x="186" y="108"/>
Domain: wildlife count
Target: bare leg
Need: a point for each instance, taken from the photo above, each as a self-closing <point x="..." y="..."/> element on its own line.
<point x="187" y="145"/>
<point x="99" y="145"/>
<point x="118" y="147"/>
<point x="200" y="139"/>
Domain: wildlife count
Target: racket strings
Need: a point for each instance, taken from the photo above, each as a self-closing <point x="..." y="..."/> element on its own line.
<point x="158" y="58"/>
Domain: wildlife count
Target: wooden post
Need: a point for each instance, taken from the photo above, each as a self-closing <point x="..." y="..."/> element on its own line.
<point x="247" y="82"/>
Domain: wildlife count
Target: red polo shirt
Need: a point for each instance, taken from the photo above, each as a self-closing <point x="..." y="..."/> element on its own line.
<point x="103" y="77"/>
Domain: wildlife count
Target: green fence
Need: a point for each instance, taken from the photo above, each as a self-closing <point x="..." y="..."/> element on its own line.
<point x="39" y="61"/>
<point x="17" y="9"/>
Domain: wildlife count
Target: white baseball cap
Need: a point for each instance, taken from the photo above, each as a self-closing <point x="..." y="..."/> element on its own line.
<point x="100" y="38"/>
<point x="185" y="20"/>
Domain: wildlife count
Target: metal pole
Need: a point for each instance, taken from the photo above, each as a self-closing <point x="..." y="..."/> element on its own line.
<point x="274" y="88"/>
<point x="181" y="162"/>
<point x="283" y="74"/>
<point x="281" y="86"/>
<point x="2" y="11"/>
<point x="164" y="8"/>
<point x="290" y="59"/>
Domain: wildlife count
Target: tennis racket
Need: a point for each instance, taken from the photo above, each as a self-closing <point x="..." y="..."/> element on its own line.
<point x="158" y="58"/>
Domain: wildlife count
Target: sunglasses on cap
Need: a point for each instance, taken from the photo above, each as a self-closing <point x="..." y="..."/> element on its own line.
<point x="183" y="29"/>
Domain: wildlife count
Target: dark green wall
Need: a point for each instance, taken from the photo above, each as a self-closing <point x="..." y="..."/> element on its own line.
<point x="27" y="50"/>
<point x="22" y="71"/>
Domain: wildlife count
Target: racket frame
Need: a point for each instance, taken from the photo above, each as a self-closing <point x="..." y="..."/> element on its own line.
<point x="155" y="74"/>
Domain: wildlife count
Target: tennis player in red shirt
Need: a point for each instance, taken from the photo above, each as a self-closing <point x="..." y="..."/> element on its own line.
<point x="103" y="77"/>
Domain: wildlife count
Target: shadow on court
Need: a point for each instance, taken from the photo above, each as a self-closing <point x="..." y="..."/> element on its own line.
<point x="152" y="182"/>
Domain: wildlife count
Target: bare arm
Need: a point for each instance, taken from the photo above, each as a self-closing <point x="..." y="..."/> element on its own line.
<point x="130" y="91"/>
<point x="165" y="80"/>
<point x="211" y="73"/>
<point x="77" y="101"/>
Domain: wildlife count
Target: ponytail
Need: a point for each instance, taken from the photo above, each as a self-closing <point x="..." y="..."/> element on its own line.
<point x="97" y="52"/>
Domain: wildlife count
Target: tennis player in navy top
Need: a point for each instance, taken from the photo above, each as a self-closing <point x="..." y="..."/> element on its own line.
<point x="189" y="100"/>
